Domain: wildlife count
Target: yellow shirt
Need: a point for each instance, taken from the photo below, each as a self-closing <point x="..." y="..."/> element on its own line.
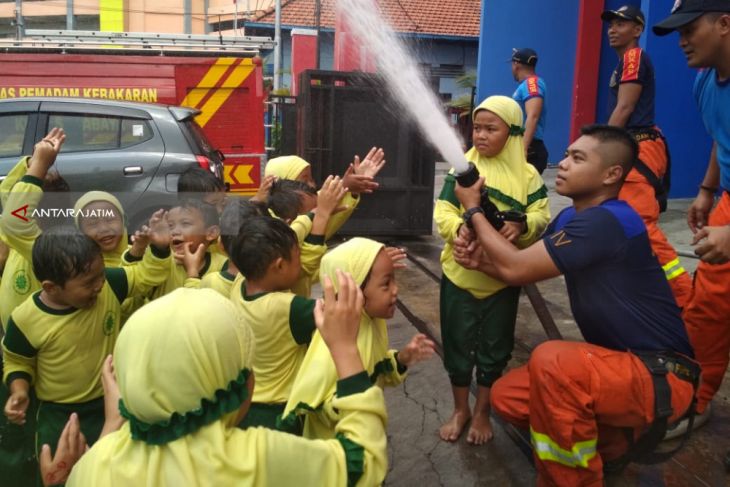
<point x="282" y="325"/>
<point x="218" y="455"/>
<point x="448" y="215"/>
<point x="312" y="251"/>
<point x="61" y="352"/>
<point x="221" y="281"/>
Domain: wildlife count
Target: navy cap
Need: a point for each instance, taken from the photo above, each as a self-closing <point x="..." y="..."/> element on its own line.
<point x="524" y="55"/>
<point x="687" y="11"/>
<point x="627" y="12"/>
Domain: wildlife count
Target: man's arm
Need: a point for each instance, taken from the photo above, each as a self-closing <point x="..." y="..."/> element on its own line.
<point x="533" y="109"/>
<point x="699" y="210"/>
<point x="628" y="97"/>
<point x="508" y="264"/>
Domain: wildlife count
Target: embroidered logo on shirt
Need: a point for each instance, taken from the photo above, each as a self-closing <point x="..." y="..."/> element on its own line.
<point x="110" y="320"/>
<point x="21" y="284"/>
<point x="559" y="239"/>
<point x="632" y="60"/>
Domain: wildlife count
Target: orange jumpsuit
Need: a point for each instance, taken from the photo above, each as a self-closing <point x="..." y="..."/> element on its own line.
<point x="640" y="195"/>
<point x="707" y="315"/>
<point x="577" y="399"/>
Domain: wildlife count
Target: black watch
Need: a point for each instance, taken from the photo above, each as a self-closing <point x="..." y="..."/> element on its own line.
<point x="470" y="213"/>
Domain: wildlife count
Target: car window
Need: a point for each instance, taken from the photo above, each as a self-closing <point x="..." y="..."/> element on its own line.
<point x="93" y="132"/>
<point x="199" y="137"/>
<point x="12" y="133"/>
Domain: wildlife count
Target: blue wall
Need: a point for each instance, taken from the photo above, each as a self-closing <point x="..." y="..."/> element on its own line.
<point x="552" y="32"/>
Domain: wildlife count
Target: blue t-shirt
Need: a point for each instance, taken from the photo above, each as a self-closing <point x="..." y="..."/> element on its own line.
<point x="531" y="87"/>
<point x="713" y="98"/>
<point x="618" y="293"/>
<point x="635" y="67"/>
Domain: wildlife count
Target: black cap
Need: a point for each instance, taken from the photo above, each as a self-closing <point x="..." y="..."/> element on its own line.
<point x="687" y="11"/>
<point x="524" y="55"/>
<point x="627" y="12"/>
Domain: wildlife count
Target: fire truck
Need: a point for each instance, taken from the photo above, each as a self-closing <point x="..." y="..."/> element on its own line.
<point x="220" y="76"/>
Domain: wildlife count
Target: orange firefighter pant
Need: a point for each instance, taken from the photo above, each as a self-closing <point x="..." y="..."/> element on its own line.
<point x="707" y="316"/>
<point x="639" y="194"/>
<point x="578" y="399"/>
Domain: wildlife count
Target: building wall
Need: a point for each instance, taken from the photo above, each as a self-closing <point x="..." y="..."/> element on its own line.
<point x="552" y="33"/>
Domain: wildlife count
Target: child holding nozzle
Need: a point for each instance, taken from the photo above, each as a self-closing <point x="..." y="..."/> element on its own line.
<point x="478" y="312"/>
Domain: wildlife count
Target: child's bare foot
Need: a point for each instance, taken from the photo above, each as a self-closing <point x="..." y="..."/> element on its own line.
<point x="480" y="431"/>
<point x="452" y="429"/>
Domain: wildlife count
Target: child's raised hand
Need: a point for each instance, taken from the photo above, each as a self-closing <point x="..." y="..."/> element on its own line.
<point x="372" y="164"/>
<point x="358" y="183"/>
<point x="191" y="259"/>
<point x="71" y="446"/>
<point x="159" y="232"/>
<point x="140" y="241"/>
<point x="338" y="320"/>
<point x="45" y="152"/>
<point x="332" y="192"/>
<point x="397" y="255"/>
<point x="420" y="348"/>
<point x="16" y="406"/>
<point x="112" y="418"/>
<point x="263" y="192"/>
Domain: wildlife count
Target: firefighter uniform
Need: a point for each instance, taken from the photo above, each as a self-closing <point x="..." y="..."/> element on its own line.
<point x="707" y="313"/>
<point x="578" y="398"/>
<point x="638" y="189"/>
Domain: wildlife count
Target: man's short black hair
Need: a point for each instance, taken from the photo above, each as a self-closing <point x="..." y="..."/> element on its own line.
<point x="285" y="197"/>
<point x="235" y="213"/>
<point x="260" y="241"/>
<point x="198" y="180"/>
<point x="62" y="253"/>
<point x="628" y="149"/>
<point x="209" y="212"/>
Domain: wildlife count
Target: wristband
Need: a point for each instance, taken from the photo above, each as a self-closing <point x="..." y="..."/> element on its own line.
<point x="468" y="214"/>
<point x="708" y="188"/>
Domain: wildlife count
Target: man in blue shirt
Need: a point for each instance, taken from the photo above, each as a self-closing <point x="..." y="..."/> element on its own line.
<point x="530" y="94"/>
<point x="704" y="36"/>
<point x="571" y="394"/>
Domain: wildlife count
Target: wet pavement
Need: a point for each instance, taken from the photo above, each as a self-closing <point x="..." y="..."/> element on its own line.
<point x="416" y="409"/>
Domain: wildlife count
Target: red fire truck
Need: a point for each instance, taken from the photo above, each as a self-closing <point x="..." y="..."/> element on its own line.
<point x="225" y="84"/>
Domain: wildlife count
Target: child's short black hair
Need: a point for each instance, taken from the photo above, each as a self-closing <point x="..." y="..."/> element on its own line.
<point x="55" y="195"/>
<point x="285" y="197"/>
<point x="62" y="253"/>
<point x="628" y="149"/>
<point x="209" y="212"/>
<point x="260" y="241"/>
<point x="235" y="213"/>
<point x="198" y="180"/>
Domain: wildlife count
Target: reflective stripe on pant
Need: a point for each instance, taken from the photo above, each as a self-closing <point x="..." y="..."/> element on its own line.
<point x="707" y="316"/>
<point x="560" y="394"/>
<point x="637" y="191"/>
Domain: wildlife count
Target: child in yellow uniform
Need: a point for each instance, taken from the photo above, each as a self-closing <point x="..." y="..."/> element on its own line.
<point x="359" y="178"/>
<point x="235" y="213"/>
<point x="313" y="394"/>
<point x="267" y="255"/>
<point x="478" y="313"/>
<point x="290" y="199"/>
<point x="192" y="226"/>
<point x="187" y="435"/>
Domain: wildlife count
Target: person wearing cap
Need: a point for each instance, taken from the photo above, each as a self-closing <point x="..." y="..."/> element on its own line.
<point x="530" y="94"/>
<point x="631" y="103"/>
<point x="704" y="36"/>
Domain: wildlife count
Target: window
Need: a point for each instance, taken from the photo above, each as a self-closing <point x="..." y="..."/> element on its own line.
<point x="12" y="133"/>
<point x="94" y="133"/>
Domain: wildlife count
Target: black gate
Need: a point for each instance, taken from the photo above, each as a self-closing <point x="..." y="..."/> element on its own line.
<point x="343" y="114"/>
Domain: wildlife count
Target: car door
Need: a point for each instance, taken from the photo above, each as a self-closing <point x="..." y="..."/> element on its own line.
<point x="107" y="148"/>
<point x="18" y="121"/>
